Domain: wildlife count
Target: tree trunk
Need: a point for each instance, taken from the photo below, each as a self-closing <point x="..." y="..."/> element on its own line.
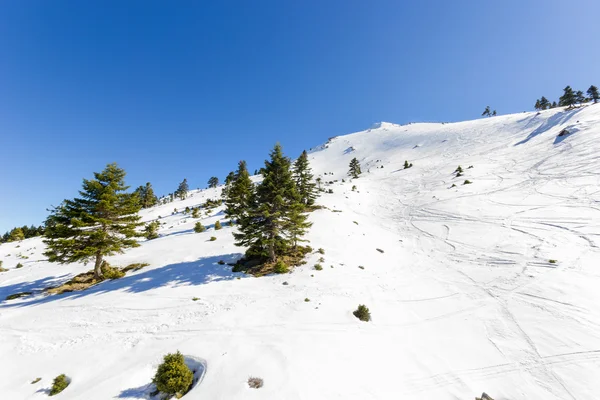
<point x="97" y="267"/>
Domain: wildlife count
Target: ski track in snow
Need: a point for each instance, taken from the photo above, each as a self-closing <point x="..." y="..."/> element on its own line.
<point x="464" y="298"/>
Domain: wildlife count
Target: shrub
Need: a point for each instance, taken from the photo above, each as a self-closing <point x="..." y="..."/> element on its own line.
<point x="361" y="267"/>
<point x="111" y="272"/>
<point x="151" y="230"/>
<point x="19" y="265"/>
<point x="307" y="300"/>
<point x="330" y="191"/>
<point x="255" y="383"/>
<point x="362" y="313"/>
<point x="552" y="261"/>
<point x="195" y="298"/>
<point x="213" y="238"/>
<point x="59" y="384"/>
<point x="318" y="267"/>
<point x="355" y="222"/>
<point x="196" y="213"/>
<point x="458" y="174"/>
<point x="453" y="185"/>
<point x="280" y="267"/>
<point x="221" y="262"/>
<point x="36" y="380"/>
<point x="321" y="251"/>
<point x="407" y="164"/>
<point x="467" y="182"/>
<point x="218" y="225"/>
<point x="353" y="187"/>
<point x="285" y="283"/>
<point x="321" y="259"/>
<point x="459" y="169"/>
<point x="470" y="166"/>
<point x="198" y="227"/>
<point x="173" y="377"/>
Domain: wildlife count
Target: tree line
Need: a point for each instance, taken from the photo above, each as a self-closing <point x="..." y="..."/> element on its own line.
<point x="20" y="233"/>
<point x="569" y="99"/>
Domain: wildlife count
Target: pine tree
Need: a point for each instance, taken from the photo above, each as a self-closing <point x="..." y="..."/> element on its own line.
<point x="150" y="199"/>
<point x="182" y="190"/>
<point x="304" y="180"/>
<point x="593" y="93"/>
<point x="537" y="105"/>
<point x="218" y="225"/>
<point x="554" y="105"/>
<point x="16" y="235"/>
<point x="354" y="171"/>
<point x="239" y="193"/>
<point x="100" y="223"/>
<point x="213" y="182"/>
<point x="544" y="103"/>
<point x="579" y="97"/>
<point x="487" y="112"/>
<point x="151" y="230"/>
<point x="198" y="227"/>
<point x="229" y="179"/>
<point x="196" y="212"/>
<point x="568" y="98"/>
<point x="271" y="226"/>
<point x="494" y="113"/>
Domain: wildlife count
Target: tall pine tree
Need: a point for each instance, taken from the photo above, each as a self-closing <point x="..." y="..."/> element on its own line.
<point x="544" y="103"/>
<point x="307" y="189"/>
<point x="354" y="170"/>
<point x="487" y="112"/>
<point x="593" y="93"/>
<point x="239" y="193"/>
<point x="271" y="228"/>
<point x="100" y="223"/>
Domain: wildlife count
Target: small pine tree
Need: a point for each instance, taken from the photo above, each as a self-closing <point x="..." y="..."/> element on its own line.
<point x="354" y="170"/>
<point x="537" y="105"/>
<point x="229" y="179"/>
<point x="487" y="112"/>
<point x="568" y="99"/>
<point x="218" y="225"/>
<point x="494" y="113"/>
<point x="151" y="230"/>
<point x="102" y="222"/>
<point x="362" y="313"/>
<point x="173" y="377"/>
<point x="554" y="105"/>
<point x="182" y="190"/>
<point x="592" y="92"/>
<point x="580" y="97"/>
<point x="544" y="103"/>
<point x="196" y="212"/>
<point x="198" y="227"/>
<point x="59" y="384"/>
<point x="213" y="182"/>
<point x="304" y="180"/>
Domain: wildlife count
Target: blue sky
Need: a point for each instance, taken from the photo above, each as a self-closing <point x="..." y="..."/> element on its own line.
<point x="172" y="92"/>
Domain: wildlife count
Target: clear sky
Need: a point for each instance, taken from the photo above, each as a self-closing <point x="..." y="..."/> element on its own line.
<point x="185" y="89"/>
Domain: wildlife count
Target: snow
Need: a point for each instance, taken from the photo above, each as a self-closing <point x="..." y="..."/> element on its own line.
<point x="463" y="299"/>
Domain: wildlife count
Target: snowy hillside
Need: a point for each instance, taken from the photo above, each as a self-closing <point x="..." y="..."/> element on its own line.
<point x="463" y="295"/>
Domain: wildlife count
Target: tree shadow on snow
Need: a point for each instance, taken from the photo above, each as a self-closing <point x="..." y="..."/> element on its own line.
<point x="30" y="286"/>
<point x="556" y="119"/>
<point x="199" y="272"/>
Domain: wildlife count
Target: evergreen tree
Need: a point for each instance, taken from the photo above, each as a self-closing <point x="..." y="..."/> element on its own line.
<point x="537" y="105"/>
<point x="271" y="226"/>
<point x="182" y="190"/>
<point x="568" y="98"/>
<point x="354" y="168"/>
<point x="544" y="103"/>
<point x="149" y="199"/>
<point x="554" y="105"/>
<point x="196" y="212"/>
<point x="229" y="179"/>
<point x="239" y="193"/>
<point x="494" y="113"/>
<point x="593" y="93"/>
<point x="198" y="227"/>
<point x="16" y="235"/>
<point x="100" y="223"/>
<point x="218" y="225"/>
<point x="304" y="180"/>
<point x="213" y="182"/>
<point x="151" y="230"/>
<point x="487" y="112"/>
<point x="580" y="97"/>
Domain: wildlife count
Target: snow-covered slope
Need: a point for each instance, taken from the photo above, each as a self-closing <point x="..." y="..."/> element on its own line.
<point x="463" y="297"/>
